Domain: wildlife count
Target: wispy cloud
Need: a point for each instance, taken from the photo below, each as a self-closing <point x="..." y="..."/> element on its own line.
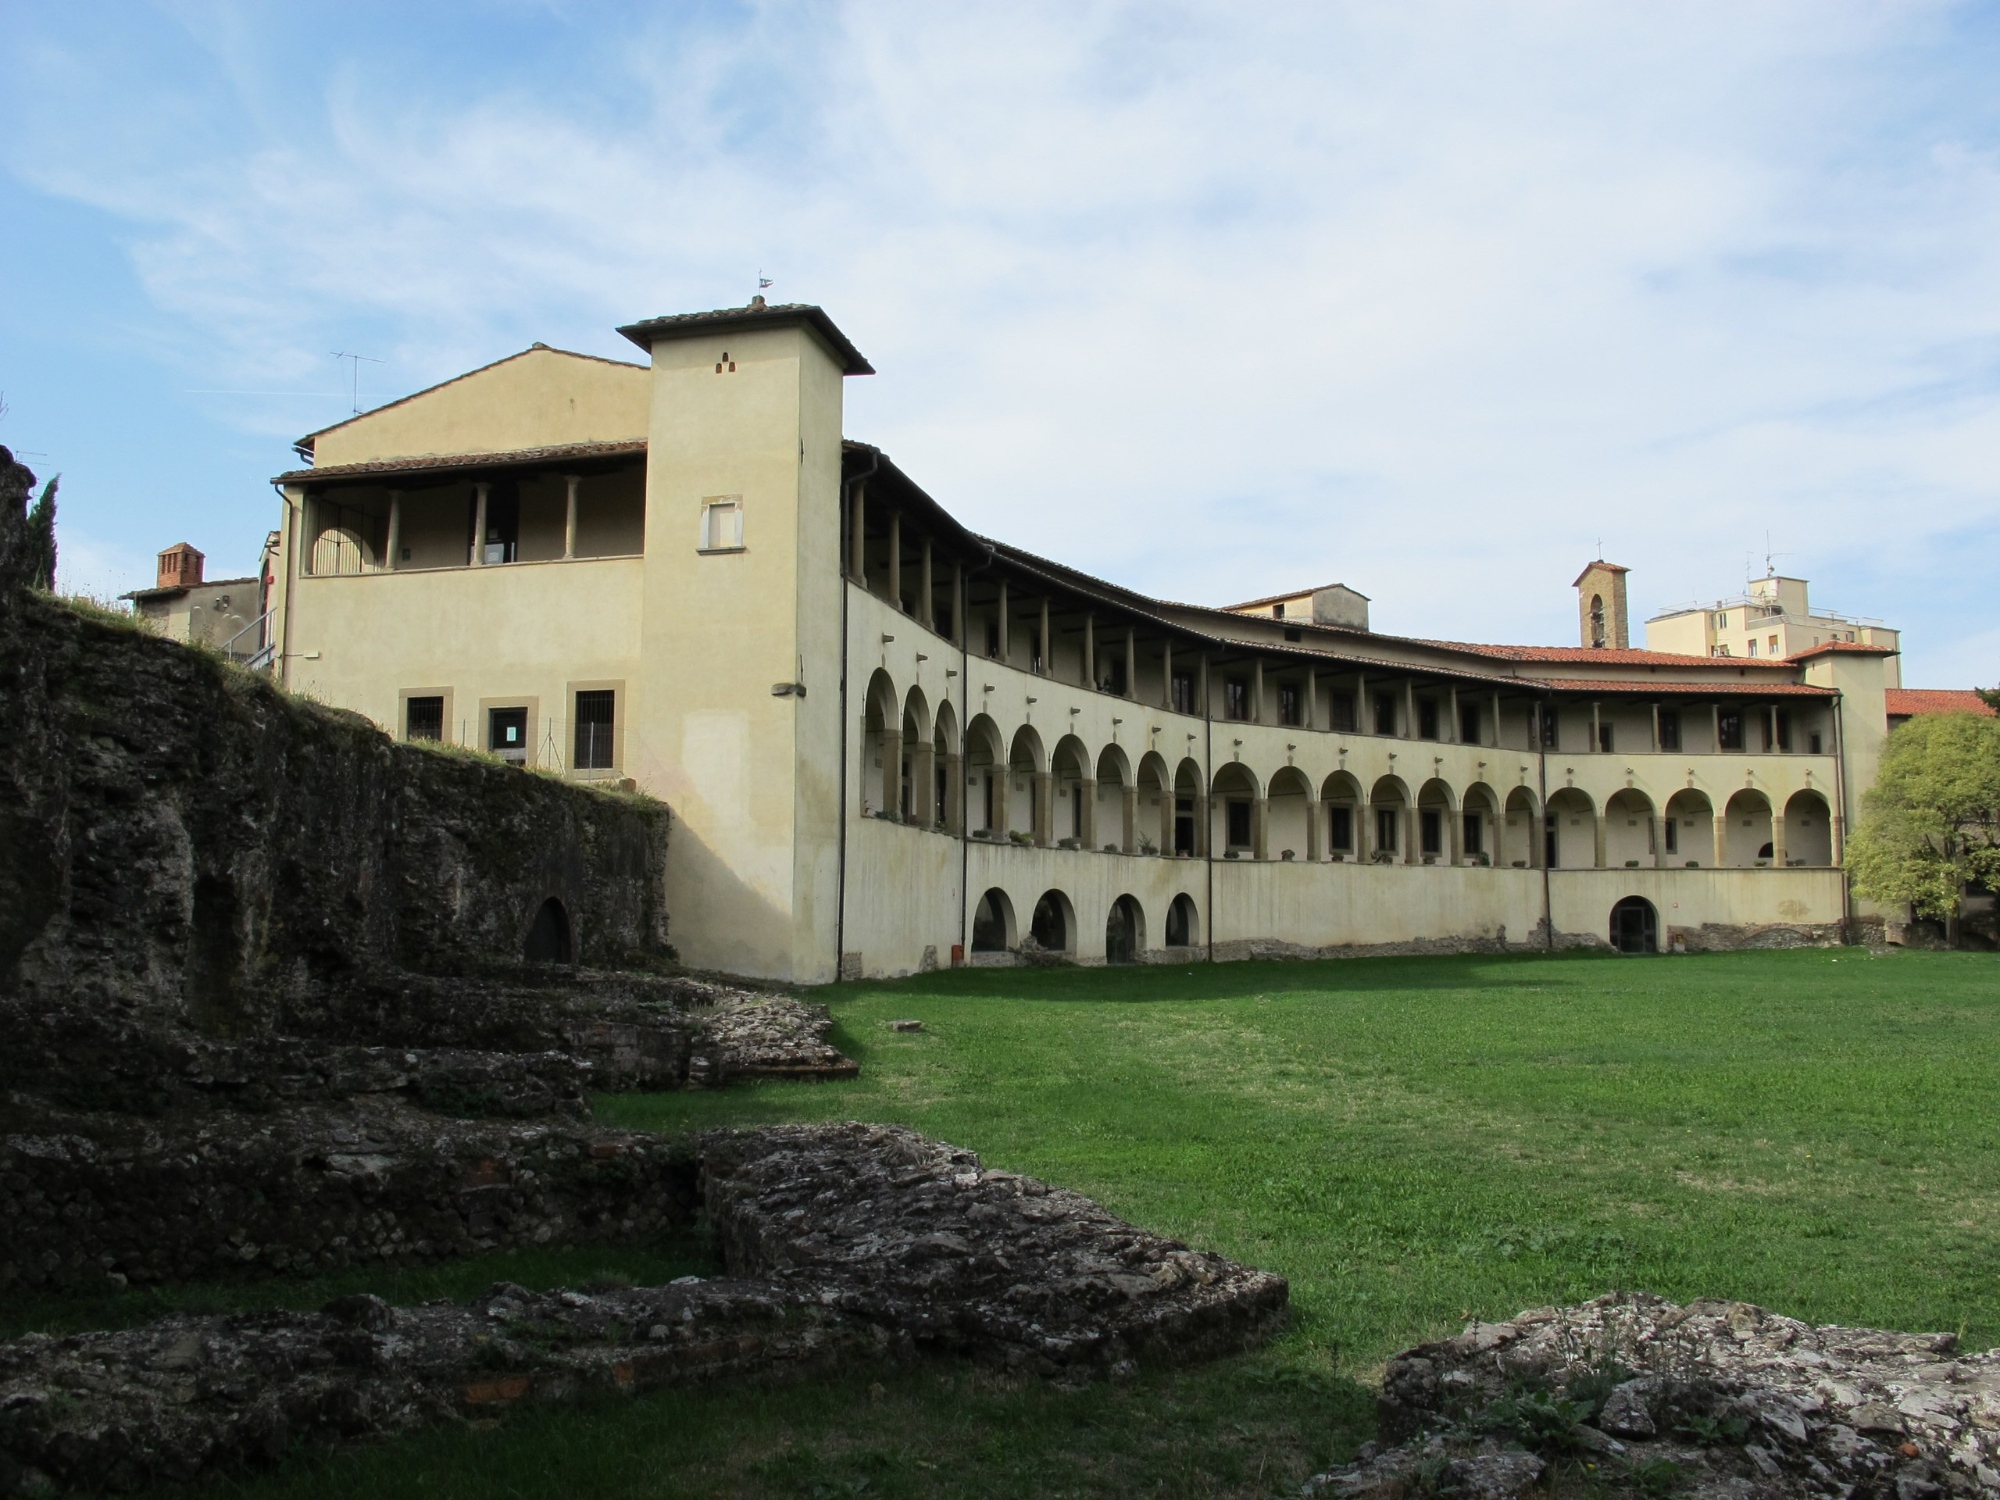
<point x="1214" y="300"/>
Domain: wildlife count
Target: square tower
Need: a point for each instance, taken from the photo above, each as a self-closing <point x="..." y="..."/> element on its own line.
<point x="1600" y="606"/>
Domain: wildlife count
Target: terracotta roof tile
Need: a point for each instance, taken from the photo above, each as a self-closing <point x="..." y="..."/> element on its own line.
<point x="1906" y="703"/>
<point x="1858" y="647"/>
<point x="433" y="463"/>
<point x="1659" y="689"/>
<point x="1605" y="655"/>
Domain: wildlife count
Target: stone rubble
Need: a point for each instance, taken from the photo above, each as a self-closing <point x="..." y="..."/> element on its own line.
<point x="1741" y="1401"/>
<point x="839" y="1240"/>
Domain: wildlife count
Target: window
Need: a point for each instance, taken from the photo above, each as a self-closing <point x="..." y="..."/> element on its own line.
<point x="1184" y="692"/>
<point x="1386" y="819"/>
<point x="1771" y="646"/>
<point x="1236" y="699"/>
<point x="1344" y="718"/>
<point x="1813" y="743"/>
<point x="1597" y="620"/>
<point x="1468" y="723"/>
<point x="595" y="715"/>
<point x="1475" y="833"/>
<point x="1604" y="739"/>
<point x="722" y="523"/>
<point x="1385" y="713"/>
<point x="1722" y="623"/>
<point x="1750" y="647"/>
<point x="1427" y="718"/>
<point x="1340" y="828"/>
<point x="1277" y="611"/>
<point x="1430" y="828"/>
<point x="1721" y="650"/>
<point x="507" y="733"/>
<point x="1239" y="825"/>
<point x="423" y="719"/>
<point x="1729" y="730"/>
<point x="1670" y="729"/>
<point x="1549" y="736"/>
<point x="1289" y="704"/>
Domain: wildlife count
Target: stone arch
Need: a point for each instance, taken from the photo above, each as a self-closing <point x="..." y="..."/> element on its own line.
<point x="1521" y="833"/>
<point x="1479" y="824"/>
<point x="1190" y="830"/>
<point x="1073" y="785"/>
<point x="947" y="777"/>
<point x="1437" y="808"/>
<point x="985" y="776"/>
<point x="881" y="746"/>
<point x="1345" y="813"/>
<point x="1125" y="931"/>
<point x="1183" y="923"/>
<point x="1569" y="830"/>
<point x="1391" y="839"/>
<point x="1635" y="925"/>
<point x="916" y="791"/>
<point x="1808" y="829"/>
<point x="944" y="732"/>
<point x="1233" y="795"/>
<point x="1629" y="837"/>
<point x="550" y="939"/>
<point x="1687" y="830"/>
<point x="917" y="713"/>
<point x="1747" y="834"/>
<point x="1288" y="830"/>
<point x="993" y="929"/>
<point x="1053" y="927"/>
<point x="1028" y="793"/>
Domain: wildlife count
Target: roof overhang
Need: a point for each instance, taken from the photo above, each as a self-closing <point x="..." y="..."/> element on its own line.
<point x="650" y="331"/>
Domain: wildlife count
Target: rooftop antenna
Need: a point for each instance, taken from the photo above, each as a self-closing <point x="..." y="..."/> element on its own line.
<point x="354" y="363"/>
<point x="1770" y="565"/>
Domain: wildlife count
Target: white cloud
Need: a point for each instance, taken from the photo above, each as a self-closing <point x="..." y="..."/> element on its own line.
<point x="1214" y="300"/>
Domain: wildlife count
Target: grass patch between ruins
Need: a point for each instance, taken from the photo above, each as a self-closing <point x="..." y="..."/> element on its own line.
<point x="1412" y="1142"/>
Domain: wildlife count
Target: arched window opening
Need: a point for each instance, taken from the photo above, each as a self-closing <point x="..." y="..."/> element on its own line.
<point x="1635" y="926"/>
<point x="1597" y="635"/>
<point x="549" y="940"/>
<point x="1182" y="926"/>
<point x="1124" y="932"/>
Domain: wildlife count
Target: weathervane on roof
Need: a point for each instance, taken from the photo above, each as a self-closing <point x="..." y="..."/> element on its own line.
<point x="354" y="394"/>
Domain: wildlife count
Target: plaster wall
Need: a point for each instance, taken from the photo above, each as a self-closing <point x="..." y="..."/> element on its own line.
<point x="1580" y="901"/>
<point x="542" y="398"/>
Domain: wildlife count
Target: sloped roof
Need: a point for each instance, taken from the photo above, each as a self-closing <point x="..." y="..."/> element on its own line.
<point x="1720" y="688"/>
<point x="1606" y="655"/>
<point x="756" y="315"/>
<point x="436" y="463"/>
<point x="1857" y="647"/>
<point x="1294" y="594"/>
<point x="1598" y="563"/>
<point x="1907" y="703"/>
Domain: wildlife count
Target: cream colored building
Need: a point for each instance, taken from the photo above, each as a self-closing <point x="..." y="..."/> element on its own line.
<point x="184" y="606"/>
<point x="889" y="742"/>
<point x="1771" y="619"/>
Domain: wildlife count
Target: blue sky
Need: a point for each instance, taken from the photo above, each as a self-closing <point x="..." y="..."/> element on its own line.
<point x="1215" y="301"/>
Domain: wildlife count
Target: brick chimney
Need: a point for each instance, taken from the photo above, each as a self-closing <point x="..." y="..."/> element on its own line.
<point x="180" y="567"/>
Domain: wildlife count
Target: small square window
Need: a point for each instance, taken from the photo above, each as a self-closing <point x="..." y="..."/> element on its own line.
<point x="722" y="524"/>
<point x="423" y="719"/>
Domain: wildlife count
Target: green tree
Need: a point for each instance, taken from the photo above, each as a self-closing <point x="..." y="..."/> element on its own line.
<point x="1931" y="824"/>
<point x="42" y="539"/>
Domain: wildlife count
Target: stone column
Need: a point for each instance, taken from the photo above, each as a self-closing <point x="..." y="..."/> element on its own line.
<point x="1167" y="674"/>
<point x="1412" y="855"/>
<point x="1718" y="822"/>
<point x="892" y="770"/>
<point x="1128" y="807"/>
<point x="1656" y="728"/>
<point x="571" y="484"/>
<point x="1006" y="634"/>
<point x="479" y="491"/>
<point x="1315" y="832"/>
<point x="1596" y="730"/>
<point x="1087" y="818"/>
<point x="1496" y="721"/>
<point x="1364" y="831"/>
<point x="857" y="534"/>
<point x="1659" y="843"/>
<point x="1045" y="811"/>
<point x="1168" y="802"/>
<point x="1838" y="828"/>
<point x="1090" y="649"/>
<point x="1257" y="691"/>
<point x="958" y="604"/>
<point x="1131" y="665"/>
<point x="1048" y="646"/>
<point x="1202" y="707"/>
<point x="954" y="794"/>
<point x="1454" y="834"/>
<point x="1777" y="838"/>
<point x="1538" y="846"/>
<point x="926" y="612"/>
<point x="1409" y="708"/>
<point x="923" y="783"/>
<point x="1260" y="825"/>
<point x="896" y="559"/>
<point x="1597" y="839"/>
<point x="1451" y="734"/>
<point x="1310" y="707"/>
<point x="395" y="548"/>
<point x="1204" y="834"/>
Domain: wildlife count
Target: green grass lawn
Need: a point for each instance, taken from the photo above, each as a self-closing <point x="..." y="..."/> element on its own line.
<point x="1411" y="1141"/>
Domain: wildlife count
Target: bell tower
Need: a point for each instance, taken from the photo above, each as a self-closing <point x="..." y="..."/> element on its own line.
<point x="1600" y="607"/>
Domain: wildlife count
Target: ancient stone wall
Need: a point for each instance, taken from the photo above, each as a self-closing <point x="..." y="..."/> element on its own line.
<point x="180" y="838"/>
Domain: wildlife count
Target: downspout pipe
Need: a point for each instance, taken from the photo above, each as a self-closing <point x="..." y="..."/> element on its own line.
<point x="1542" y="833"/>
<point x="1208" y="802"/>
<point x="1846" y="821"/>
<point x="840" y="878"/>
<point x="964" y="744"/>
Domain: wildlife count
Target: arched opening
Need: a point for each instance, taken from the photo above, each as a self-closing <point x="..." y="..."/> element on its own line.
<point x="1187" y="808"/>
<point x="1748" y="836"/>
<point x="947" y="776"/>
<point x="916" y="789"/>
<point x="1288" y="830"/>
<point x="1183" y="924"/>
<point x="1340" y="794"/>
<point x="1027" y="785"/>
<point x="1479" y="828"/>
<point x="993" y="923"/>
<point x="1635" y="926"/>
<point x="1113" y="776"/>
<point x="1124" y="932"/>
<point x="1597" y="635"/>
<point x="1233" y="809"/>
<point x="1628" y="830"/>
<point x="985" y="778"/>
<point x="1521" y="837"/>
<point x="1808" y="830"/>
<point x="549" y="940"/>
<point x="1569" y="831"/>
<point x="881" y="748"/>
<point x="1688" y="830"/>
<point x="1052" y="926"/>
<point x="1388" y="809"/>
<point x="1435" y="833"/>
<point x="1152" y="807"/>
<point x="1074" y="814"/>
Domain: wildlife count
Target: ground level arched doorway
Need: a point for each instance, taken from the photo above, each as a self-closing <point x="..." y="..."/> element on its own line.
<point x="1635" y="926"/>
<point x="1124" y="932"/>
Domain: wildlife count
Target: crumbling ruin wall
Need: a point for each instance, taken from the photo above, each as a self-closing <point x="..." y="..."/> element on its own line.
<point x="181" y="838"/>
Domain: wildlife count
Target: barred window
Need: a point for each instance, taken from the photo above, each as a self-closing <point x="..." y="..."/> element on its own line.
<point x="595" y="714"/>
<point x="423" y="719"/>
